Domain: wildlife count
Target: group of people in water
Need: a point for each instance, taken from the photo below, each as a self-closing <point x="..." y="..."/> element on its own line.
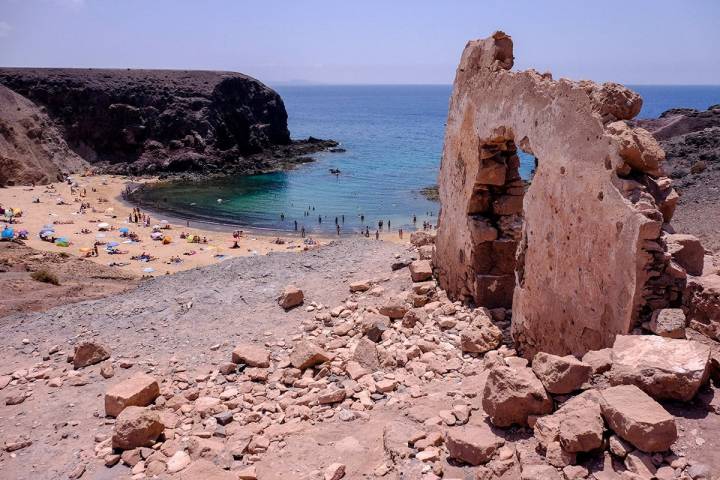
<point x="364" y="230"/>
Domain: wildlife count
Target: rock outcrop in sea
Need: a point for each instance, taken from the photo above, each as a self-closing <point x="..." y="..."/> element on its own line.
<point x="152" y="121"/>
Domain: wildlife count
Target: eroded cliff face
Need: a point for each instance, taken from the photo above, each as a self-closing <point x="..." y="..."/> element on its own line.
<point x="146" y="121"/>
<point x="579" y="253"/>
<point x="32" y="150"/>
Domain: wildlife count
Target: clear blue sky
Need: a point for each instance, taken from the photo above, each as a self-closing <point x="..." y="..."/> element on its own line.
<point x="368" y="41"/>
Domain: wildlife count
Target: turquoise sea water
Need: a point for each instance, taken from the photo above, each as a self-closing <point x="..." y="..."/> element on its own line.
<point x="393" y="136"/>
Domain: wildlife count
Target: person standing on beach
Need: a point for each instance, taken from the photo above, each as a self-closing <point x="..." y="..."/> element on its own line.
<point x="337" y="227"/>
<point x="388" y="224"/>
<point x="302" y="232"/>
<point x="296" y="225"/>
<point x="400" y="233"/>
<point x="377" y="234"/>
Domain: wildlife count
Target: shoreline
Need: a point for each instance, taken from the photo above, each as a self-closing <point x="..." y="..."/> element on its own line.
<point x="60" y="208"/>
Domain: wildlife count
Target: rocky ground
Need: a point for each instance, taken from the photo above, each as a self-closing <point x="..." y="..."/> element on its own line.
<point x="78" y="279"/>
<point x="376" y="374"/>
<point x="691" y="140"/>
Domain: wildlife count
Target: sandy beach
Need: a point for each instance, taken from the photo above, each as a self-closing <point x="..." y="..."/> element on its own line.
<point x="59" y="206"/>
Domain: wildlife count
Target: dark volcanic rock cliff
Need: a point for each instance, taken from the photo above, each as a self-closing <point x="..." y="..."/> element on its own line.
<point x="148" y="121"/>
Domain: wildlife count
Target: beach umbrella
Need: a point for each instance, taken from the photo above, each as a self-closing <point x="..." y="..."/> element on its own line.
<point x="124" y="230"/>
<point x="163" y="222"/>
<point x="148" y="270"/>
<point x="156" y="235"/>
<point x="113" y="244"/>
<point x="62" y="242"/>
<point x="103" y="226"/>
<point x="85" y="249"/>
<point x="7" y="233"/>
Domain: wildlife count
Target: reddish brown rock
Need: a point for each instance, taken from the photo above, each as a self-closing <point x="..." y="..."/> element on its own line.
<point x="251" y="355"/>
<point x="420" y="270"/>
<point x="366" y="355"/>
<point x="702" y="299"/>
<point x="664" y="368"/>
<point x="291" y="297"/>
<point x="360" y="286"/>
<point x="560" y="374"/>
<point x="139" y="391"/>
<point x="394" y="308"/>
<point x="668" y="322"/>
<point x="577" y="425"/>
<point x="480" y="339"/>
<point x="688" y="252"/>
<point x="513" y="394"/>
<point x="599" y="360"/>
<point x="637" y="418"/>
<point x="472" y="444"/>
<point x="306" y="354"/>
<point x="89" y="353"/>
<point x="535" y="259"/>
<point x="136" y="427"/>
<point x="334" y="471"/>
<point x="421" y="238"/>
<point x="205" y="470"/>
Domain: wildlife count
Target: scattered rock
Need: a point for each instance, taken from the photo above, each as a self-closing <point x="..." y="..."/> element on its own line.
<point x="420" y="270"/>
<point x="307" y="354"/>
<point x="480" y="339"/>
<point x="599" y="360"/>
<point x="136" y="427"/>
<point x="291" y="297"/>
<point x="512" y="394"/>
<point x="89" y="353"/>
<point x="561" y="375"/>
<point x="687" y="251"/>
<point x="335" y="471"/>
<point x="668" y="322"/>
<point x="637" y="418"/>
<point x="472" y="444"/>
<point x="251" y="355"/>
<point x="140" y="391"/>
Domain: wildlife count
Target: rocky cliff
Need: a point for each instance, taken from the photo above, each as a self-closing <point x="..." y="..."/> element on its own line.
<point x="691" y="140"/>
<point x="150" y="121"/>
<point x="32" y="150"/>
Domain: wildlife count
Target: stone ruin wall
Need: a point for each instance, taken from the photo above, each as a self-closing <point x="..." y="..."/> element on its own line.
<point x="579" y="253"/>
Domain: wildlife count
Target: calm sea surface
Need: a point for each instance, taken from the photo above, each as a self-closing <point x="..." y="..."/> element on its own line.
<point x="393" y="136"/>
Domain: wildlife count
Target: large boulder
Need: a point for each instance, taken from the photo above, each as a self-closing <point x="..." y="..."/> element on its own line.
<point x="561" y="374"/>
<point x="472" y="444"/>
<point x="664" y="368"/>
<point x="139" y="391"/>
<point x="513" y="394"/>
<point x="577" y="425"/>
<point x="136" y="427"/>
<point x="89" y="353"/>
<point x="637" y="418"/>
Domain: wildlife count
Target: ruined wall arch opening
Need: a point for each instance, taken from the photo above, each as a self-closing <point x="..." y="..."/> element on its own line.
<point x="495" y="217"/>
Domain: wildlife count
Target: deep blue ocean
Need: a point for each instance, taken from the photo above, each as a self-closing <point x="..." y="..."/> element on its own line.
<point x="393" y="136"/>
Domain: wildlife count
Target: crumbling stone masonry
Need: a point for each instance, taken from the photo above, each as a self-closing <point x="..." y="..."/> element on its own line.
<point x="579" y="253"/>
